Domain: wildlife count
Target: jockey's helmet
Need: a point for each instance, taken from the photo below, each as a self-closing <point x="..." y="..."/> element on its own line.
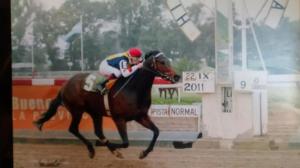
<point x="135" y="55"/>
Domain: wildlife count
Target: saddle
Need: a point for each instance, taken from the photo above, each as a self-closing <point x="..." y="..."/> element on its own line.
<point x="108" y="85"/>
<point x="94" y="83"/>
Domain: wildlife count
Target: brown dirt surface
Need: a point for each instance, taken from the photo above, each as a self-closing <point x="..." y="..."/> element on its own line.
<point x="202" y="155"/>
<point x="28" y="155"/>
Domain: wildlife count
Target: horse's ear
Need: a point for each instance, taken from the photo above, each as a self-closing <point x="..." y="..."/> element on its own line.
<point x="151" y="53"/>
<point x="148" y="54"/>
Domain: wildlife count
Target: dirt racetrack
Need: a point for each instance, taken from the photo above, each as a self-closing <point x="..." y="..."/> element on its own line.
<point x="258" y="152"/>
<point x="28" y="155"/>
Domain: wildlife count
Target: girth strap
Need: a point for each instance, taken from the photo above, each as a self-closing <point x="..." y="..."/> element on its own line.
<point x="106" y="105"/>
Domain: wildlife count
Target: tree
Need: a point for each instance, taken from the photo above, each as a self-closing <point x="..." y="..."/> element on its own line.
<point x="21" y="13"/>
<point x="115" y="26"/>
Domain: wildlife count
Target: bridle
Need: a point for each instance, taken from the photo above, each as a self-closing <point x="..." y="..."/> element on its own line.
<point x="155" y="71"/>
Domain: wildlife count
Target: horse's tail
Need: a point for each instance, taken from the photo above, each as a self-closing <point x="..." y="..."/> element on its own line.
<point x="54" y="104"/>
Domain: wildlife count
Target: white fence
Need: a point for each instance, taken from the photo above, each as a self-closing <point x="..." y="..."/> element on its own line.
<point x="284" y="80"/>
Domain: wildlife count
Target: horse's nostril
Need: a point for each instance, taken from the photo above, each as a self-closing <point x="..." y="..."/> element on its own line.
<point x="176" y="77"/>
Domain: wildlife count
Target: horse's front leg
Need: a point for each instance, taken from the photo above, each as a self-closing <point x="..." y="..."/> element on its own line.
<point x="122" y="128"/>
<point x="147" y="123"/>
<point x="102" y="140"/>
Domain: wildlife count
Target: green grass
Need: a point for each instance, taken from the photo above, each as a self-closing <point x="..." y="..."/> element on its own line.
<point x="186" y="98"/>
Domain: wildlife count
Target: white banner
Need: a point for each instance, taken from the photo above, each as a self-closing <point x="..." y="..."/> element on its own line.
<point x="175" y="111"/>
<point x="180" y="16"/>
<point x="275" y="13"/>
<point x="198" y="82"/>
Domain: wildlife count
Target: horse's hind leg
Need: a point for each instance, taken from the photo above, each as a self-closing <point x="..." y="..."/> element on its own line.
<point x="146" y="122"/>
<point x="76" y="117"/>
<point x="54" y="104"/>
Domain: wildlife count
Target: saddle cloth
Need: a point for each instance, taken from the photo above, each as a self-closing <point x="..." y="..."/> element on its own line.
<point x="92" y="82"/>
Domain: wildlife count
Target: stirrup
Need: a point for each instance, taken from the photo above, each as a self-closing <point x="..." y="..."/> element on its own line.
<point x="99" y="87"/>
<point x="104" y="91"/>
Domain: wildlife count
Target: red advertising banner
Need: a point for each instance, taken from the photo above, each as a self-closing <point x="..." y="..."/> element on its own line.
<point x="30" y="101"/>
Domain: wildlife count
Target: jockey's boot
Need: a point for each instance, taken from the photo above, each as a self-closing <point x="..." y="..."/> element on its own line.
<point x="101" y="87"/>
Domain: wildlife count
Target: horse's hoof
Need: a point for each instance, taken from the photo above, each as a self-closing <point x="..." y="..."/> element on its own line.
<point x="38" y="125"/>
<point x="143" y="154"/>
<point x="91" y="151"/>
<point x="200" y="135"/>
<point x="117" y="154"/>
<point x="91" y="154"/>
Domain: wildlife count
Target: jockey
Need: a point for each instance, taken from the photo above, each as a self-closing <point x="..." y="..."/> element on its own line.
<point x="122" y="64"/>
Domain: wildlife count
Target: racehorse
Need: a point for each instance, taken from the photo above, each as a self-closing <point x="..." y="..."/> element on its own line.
<point x="129" y="99"/>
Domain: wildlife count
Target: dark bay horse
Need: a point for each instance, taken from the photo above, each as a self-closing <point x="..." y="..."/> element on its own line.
<point x="129" y="99"/>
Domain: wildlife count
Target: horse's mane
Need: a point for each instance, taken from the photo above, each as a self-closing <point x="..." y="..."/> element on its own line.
<point x="151" y="53"/>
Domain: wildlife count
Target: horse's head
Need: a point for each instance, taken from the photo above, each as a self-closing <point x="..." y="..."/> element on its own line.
<point x="158" y="63"/>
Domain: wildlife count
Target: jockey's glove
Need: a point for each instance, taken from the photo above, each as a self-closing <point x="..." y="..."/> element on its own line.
<point x="139" y="65"/>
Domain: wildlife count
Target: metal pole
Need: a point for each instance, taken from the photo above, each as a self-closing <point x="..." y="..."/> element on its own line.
<point x="260" y="113"/>
<point x="244" y="37"/>
<point x="230" y="38"/>
<point x="32" y="59"/>
<point x="32" y="53"/>
<point x="81" y="43"/>
<point x="215" y="41"/>
<point x="255" y="38"/>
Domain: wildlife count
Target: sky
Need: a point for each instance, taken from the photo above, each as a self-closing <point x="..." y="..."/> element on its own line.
<point x="293" y="9"/>
<point x="50" y="4"/>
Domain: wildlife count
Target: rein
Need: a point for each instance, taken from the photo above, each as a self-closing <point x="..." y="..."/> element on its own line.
<point x="157" y="73"/>
<point x="148" y="69"/>
<point x="124" y="85"/>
